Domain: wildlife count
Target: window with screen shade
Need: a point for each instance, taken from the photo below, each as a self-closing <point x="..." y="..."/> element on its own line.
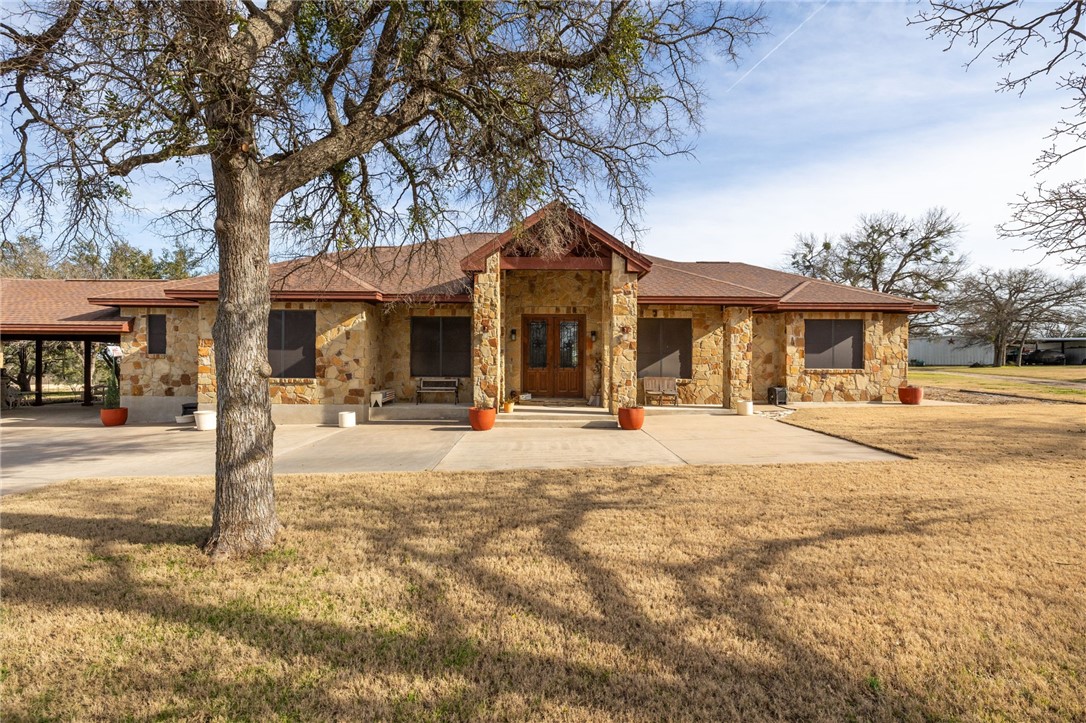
<point x="156" y="333"/>
<point x="292" y="343"/>
<point x="440" y="346"/>
<point x="833" y="343"/>
<point x="664" y="348"/>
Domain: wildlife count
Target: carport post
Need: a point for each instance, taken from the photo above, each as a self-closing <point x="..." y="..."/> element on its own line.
<point x="37" y="373"/>
<point x="88" y="395"/>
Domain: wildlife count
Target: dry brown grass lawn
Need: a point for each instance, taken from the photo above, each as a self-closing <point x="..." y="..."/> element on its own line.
<point x="947" y="587"/>
<point x="1029" y="381"/>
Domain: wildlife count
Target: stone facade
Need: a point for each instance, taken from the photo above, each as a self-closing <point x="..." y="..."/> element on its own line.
<point x="172" y="374"/>
<point x="886" y="359"/>
<point x="347" y="359"/>
<point x="554" y="292"/>
<point x="623" y="321"/>
<point x="395" y="349"/>
<point x="706" y="386"/>
<point x="767" y="344"/>
<point x="486" y="334"/>
<point x="738" y="337"/>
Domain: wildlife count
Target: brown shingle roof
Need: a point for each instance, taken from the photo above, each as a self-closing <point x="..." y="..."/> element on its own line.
<point x="43" y="306"/>
<point x="435" y="271"/>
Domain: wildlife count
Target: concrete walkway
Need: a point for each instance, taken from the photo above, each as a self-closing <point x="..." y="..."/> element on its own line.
<point x="40" y="447"/>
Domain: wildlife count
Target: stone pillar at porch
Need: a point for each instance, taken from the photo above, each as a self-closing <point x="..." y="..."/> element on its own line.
<point x="623" y="361"/>
<point x="486" y="334"/>
<point x="738" y="354"/>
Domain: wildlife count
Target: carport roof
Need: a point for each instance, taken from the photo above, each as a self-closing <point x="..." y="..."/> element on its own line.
<point x="60" y="308"/>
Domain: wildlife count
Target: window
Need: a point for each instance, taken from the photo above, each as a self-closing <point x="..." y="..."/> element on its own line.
<point x="440" y="346"/>
<point x="664" y="348"/>
<point x="156" y="333"/>
<point x="292" y="344"/>
<point x="834" y="343"/>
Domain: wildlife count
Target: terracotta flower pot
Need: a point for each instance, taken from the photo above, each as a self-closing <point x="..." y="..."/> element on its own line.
<point x="631" y="417"/>
<point x="113" y="417"/>
<point x="910" y="395"/>
<point x="482" y="420"/>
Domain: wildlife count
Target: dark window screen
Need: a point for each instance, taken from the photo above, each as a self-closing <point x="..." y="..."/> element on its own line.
<point x="569" y="339"/>
<point x="834" y="343"/>
<point x="537" y="344"/>
<point x="156" y="333"/>
<point x="664" y="348"/>
<point x="292" y="344"/>
<point x="440" y="346"/>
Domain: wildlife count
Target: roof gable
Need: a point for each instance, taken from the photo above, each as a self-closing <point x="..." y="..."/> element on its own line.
<point x="580" y="253"/>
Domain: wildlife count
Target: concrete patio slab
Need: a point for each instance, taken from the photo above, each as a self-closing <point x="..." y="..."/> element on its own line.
<point x="43" y="446"/>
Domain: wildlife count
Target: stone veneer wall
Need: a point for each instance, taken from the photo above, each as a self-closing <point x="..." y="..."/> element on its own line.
<point x="623" y="321"/>
<point x="738" y="350"/>
<point x="767" y="355"/>
<point x="553" y="292"/>
<point x="395" y="346"/>
<point x="172" y="374"/>
<point x="886" y="359"/>
<point x="348" y="338"/>
<point x="707" y="358"/>
<point x="486" y="331"/>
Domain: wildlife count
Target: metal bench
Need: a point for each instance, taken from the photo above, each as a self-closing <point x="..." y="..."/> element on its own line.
<point x="380" y="397"/>
<point x="661" y="388"/>
<point x="437" y="385"/>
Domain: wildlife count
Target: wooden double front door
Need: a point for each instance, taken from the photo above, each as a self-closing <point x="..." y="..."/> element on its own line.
<point x="552" y="355"/>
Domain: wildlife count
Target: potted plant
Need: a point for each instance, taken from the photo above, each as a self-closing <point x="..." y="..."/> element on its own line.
<point x="908" y="394"/>
<point x="631" y="417"/>
<point x="482" y="417"/>
<point x="112" y="413"/>
<point x="508" y="405"/>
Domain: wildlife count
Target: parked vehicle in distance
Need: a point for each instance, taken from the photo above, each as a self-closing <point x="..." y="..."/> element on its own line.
<point x="1012" y="355"/>
<point x="1045" y="356"/>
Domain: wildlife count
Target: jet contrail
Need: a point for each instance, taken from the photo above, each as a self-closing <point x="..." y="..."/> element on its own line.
<point x="777" y="47"/>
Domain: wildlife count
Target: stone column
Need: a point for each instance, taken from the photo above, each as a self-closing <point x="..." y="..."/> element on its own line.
<point x="792" y="354"/>
<point x="738" y="354"/>
<point x="88" y="392"/>
<point x="623" y="335"/>
<point x="486" y="331"/>
<point x="206" y="384"/>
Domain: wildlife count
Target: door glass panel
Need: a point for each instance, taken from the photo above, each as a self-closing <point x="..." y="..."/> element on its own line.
<point x="537" y="344"/>
<point x="568" y="343"/>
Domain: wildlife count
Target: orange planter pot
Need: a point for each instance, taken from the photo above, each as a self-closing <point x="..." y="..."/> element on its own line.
<point x="482" y="420"/>
<point x="113" y="417"/>
<point x="910" y="395"/>
<point x="631" y="417"/>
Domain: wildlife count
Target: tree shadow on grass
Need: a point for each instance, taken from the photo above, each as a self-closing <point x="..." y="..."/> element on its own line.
<point x="611" y="657"/>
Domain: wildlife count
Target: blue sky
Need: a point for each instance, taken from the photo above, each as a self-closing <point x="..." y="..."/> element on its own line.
<point x="854" y="112"/>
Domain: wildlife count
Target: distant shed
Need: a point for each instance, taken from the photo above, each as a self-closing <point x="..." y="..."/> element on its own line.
<point x="949" y="351"/>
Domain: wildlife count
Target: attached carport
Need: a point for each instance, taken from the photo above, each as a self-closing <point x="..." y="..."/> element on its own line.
<point x="41" y="310"/>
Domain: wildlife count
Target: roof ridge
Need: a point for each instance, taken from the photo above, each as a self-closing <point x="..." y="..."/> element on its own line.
<point x="340" y="270"/>
<point x="795" y="289"/>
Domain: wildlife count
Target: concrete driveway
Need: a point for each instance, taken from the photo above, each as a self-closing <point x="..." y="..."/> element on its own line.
<point x="42" y="445"/>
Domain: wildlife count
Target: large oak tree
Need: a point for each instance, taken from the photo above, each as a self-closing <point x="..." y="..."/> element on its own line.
<point x="343" y="124"/>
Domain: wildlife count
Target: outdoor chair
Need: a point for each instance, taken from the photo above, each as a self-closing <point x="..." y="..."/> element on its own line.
<point x="14" y="397"/>
<point x="661" y="388"/>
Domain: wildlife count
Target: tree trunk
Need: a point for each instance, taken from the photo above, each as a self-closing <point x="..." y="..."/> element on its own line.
<point x="999" y="357"/>
<point x="22" y="378"/>
<point x="244" y="519"/>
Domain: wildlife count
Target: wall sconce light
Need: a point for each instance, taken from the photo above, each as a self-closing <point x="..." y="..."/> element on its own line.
<point x="592" y="336"/>
<point x="512" y="335"/>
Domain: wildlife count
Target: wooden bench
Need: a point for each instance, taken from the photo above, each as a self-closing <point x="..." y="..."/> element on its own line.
<point x="379" y="397"/>
<point x="437" y="385"/>
<point x="661" y="388"/>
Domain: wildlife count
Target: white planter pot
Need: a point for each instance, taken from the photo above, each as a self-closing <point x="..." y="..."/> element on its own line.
<point x="744" y="409"/>
<point x="347" y="419"/>
<point x="205" y="421"/>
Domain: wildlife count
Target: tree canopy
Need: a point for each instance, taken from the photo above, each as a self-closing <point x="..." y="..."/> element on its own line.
<point x="343" y="124"/>
<point x="886" y="252"/>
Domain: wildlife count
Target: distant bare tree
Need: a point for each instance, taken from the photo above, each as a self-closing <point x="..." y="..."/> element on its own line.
<point x="1034" y="40"/>
<point x="345" y="124"/>
<point x="887" y="252"/>
<point x="1010" y="305"/>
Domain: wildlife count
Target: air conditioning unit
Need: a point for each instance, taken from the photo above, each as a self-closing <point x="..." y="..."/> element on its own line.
<point x="778" y="395"/>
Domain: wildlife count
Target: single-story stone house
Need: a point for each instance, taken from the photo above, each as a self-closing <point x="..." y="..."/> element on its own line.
<point x="588" y="322"/>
